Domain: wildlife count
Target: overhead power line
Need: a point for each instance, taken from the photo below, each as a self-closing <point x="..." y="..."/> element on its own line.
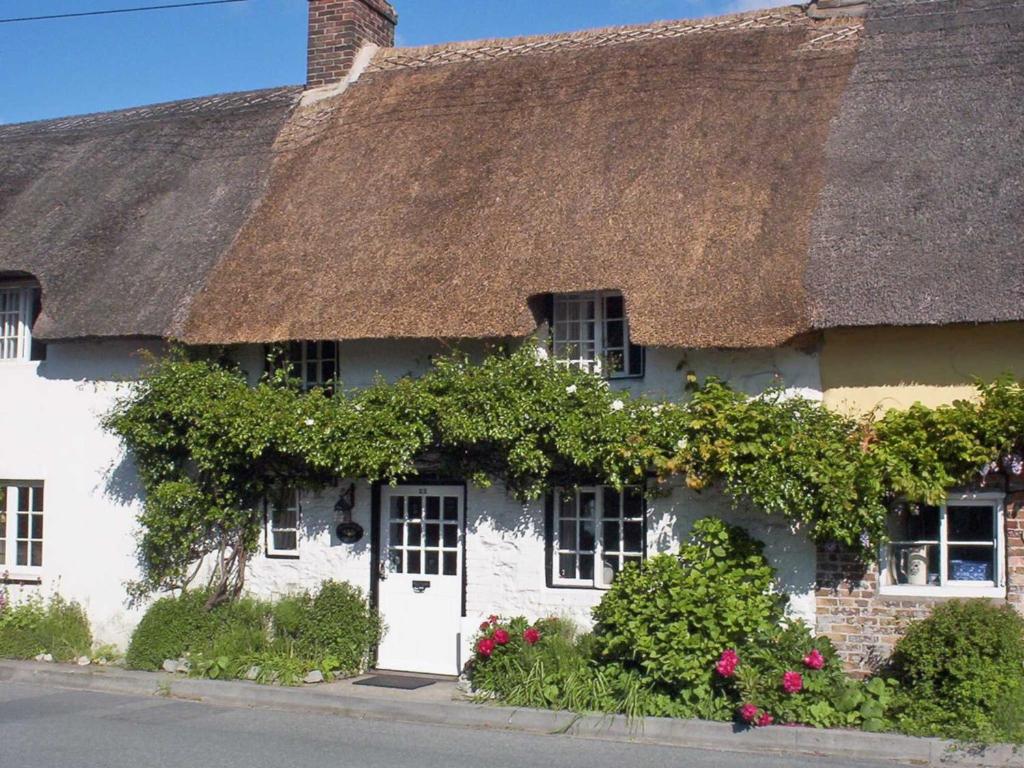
<point x="193" y="4"/>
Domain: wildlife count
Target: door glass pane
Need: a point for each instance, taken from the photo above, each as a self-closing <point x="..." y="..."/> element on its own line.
<point x="611" y="504"/>
<point x="586" y="535"/>
<point x="433" y="534"/>
<point x="397" y="507"/>
<point x="611" y="536"/>
<point x="567" y="534"/>
<point x="450" y="563"/>
<point x="433" y="508"/>
<point x="634" y="503"/>
<point x="396" y="534"/>
<point x="451" y="536"/>
<point x="412" y="535"/>
<point x="567" y="566"/>
<point x="413" y="562"/>
<point x="451" y="508"/>
<point x="395" y="558"/>
<point x="415" y="508"/>
<point x="433" y="559"/>
<point x="586" y="566"/>
<point x="632" y="535"/>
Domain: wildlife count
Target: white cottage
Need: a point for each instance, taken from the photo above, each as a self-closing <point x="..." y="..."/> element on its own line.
<point x="640" y="199"/>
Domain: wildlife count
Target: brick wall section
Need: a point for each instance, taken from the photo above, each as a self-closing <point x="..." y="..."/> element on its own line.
<point x="338" y="29"/>
<point x="864" y="626"/>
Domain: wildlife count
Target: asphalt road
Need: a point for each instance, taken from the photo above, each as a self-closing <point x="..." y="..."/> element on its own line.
<point x="42" y="727"/>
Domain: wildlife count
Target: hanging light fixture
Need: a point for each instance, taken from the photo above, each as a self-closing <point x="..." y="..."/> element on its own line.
<point x="347" y="531"/>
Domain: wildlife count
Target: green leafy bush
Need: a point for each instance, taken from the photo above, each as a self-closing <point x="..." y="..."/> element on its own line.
<point x="333" y="631"/>
<point x="959" y="670"/>
<point x="58" y="627"/>
<point x="669" y="619"/>
<point x="339" y="623"/>
<point x="171" y="627"/>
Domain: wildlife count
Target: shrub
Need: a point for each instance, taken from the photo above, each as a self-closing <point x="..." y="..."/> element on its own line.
<point x="958" y="670"/>
<point x="171" y="627"/>
<point x="58" y="627"/>
<point x="339" y="623"/>
<point x="669" y="619"/>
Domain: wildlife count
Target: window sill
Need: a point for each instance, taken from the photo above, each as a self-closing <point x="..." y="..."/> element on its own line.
<point x="905" y="590"/>
<point x="281" y="556"/>
<point x="23" y="579"/>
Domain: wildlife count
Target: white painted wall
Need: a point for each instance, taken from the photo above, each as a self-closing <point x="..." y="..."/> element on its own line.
<point x="49" y="422"/>
<point x="49" y="416"/>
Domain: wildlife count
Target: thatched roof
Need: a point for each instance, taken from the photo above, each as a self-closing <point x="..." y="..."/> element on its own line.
<point x="921" y="220"/>
<point x="676" y="162"/>
<point x="121" y="215"/>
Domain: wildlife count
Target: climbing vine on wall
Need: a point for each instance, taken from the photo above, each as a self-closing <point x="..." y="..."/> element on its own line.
<point x="210" y="447"/>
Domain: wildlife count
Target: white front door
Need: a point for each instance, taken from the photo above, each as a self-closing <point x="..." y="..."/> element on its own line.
<point x="420" y="591"/>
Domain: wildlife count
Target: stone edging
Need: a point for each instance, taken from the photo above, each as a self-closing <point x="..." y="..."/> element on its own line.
<point x="652" y="730"/>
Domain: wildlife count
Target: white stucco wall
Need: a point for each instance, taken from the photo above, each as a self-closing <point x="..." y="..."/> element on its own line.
<point x="49" y="416"/>
<point x="49" y="419"/>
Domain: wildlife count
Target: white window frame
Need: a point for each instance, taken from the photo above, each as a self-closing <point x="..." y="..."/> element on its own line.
<point x="16" y="325"/>
<point x="9" y="514"/>
<point x="574" y="351"/>
<point x="947" y="587"/>
<point x="599" y="579"/>
<point x="271" y="528"/>
<point x="305" y="358"/>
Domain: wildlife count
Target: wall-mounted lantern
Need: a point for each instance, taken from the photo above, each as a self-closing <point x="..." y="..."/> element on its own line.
<point x="347" y="531"/>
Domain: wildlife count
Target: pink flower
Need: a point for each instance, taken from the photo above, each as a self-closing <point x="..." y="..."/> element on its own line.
<point x="485" y="646"/>
<point x="748" y="712"/>
<point x="501" y="637"/>
<point x="792" y="682"/>
<point x="765" y="719"/>
<point x="492" y="619"/>
<point x="531" y="635"/>
<point x="727" y="662"/>
<point x="814" y="660"/>
<point x="485" y="626"/>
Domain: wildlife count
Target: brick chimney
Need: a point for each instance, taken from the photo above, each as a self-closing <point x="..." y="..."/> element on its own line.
<point x="338" y="29"/>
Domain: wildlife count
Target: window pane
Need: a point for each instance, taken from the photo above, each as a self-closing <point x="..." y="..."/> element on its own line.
<point x="587" y="567"/>
<point x="22" y="553"/>
<point x="588" y="504"/>
<point x="632" y="534"/>
<point x="395" y="558"/>
<point x="586" y="535"/>
<point x="567" y="534"/>
<point x="611" y="567"/>
<point x="614" y="334"/>
<point x="611" y="537"/>
<point x="451" y="535"/>
<point x="914" y="564"/>
<point x="611" y="504"/>
<point x="916" y="523"/>
<point x="285" y="518"/>
<point x="634" y="503"/>
<point x="37" y="498"/>
<point x="974" y="523"/>
<point x="636" y="360"/>
<point x="971" y="563"/>
<point x="23" y="496"/>
<point x="433" y="562"/>
<point x="414" y="562"/>
<point x="613" y="307"/>
<point x="37" y="526"/>
<point x="328" y="370"/>
<point x="22" y="526"/>
<point x="3" y="551"/>
<point x="415" y="508"/>
<point x="285" y="540"/>
<point x="567" y="566"/>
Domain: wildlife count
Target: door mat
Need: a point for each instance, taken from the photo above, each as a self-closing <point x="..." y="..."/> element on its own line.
<point x="396" y="681"/>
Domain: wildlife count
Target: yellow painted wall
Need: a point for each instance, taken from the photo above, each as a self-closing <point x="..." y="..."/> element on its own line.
<point x="867" y="368"/>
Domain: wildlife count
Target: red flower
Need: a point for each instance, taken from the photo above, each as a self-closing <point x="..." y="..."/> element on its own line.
<point x="792" y="682"/>
<point x="814" y="660"/>
<point x="485" y="626"/>
<point x="765" y="719"/>
<point x="748" y="712"/>
<point x="500" y="636"/>
<point x="727" y="662"/>
<point x="485" y="646"/>
<point x="531" y="635"/>
<point x="492" y="619"/>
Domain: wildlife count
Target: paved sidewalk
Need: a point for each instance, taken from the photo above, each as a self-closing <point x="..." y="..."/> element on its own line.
<point x="426" y="706"/>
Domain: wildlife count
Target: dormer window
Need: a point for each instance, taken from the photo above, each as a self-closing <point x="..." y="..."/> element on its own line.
<point x="19" y="306"/>
<point x="590" y="330"/>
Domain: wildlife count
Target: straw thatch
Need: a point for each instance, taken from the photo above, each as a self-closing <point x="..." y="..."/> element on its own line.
<point x="121" y="215"/>
<point x="433" y="200"/>
<point x="921" y="221"/>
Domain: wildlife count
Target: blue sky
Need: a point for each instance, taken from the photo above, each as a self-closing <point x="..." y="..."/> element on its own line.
<point x="72" y="66"/>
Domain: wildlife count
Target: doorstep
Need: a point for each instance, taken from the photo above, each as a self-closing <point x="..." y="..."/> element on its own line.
<point x="343" y="699"/>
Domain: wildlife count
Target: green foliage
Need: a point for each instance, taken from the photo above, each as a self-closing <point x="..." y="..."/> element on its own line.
<point x="57" y="627"/>
<point x="339" y="624"/>
<point x="669" y="619"/>
<point x="332" y="631"/>
<point x="959" y="669"/>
